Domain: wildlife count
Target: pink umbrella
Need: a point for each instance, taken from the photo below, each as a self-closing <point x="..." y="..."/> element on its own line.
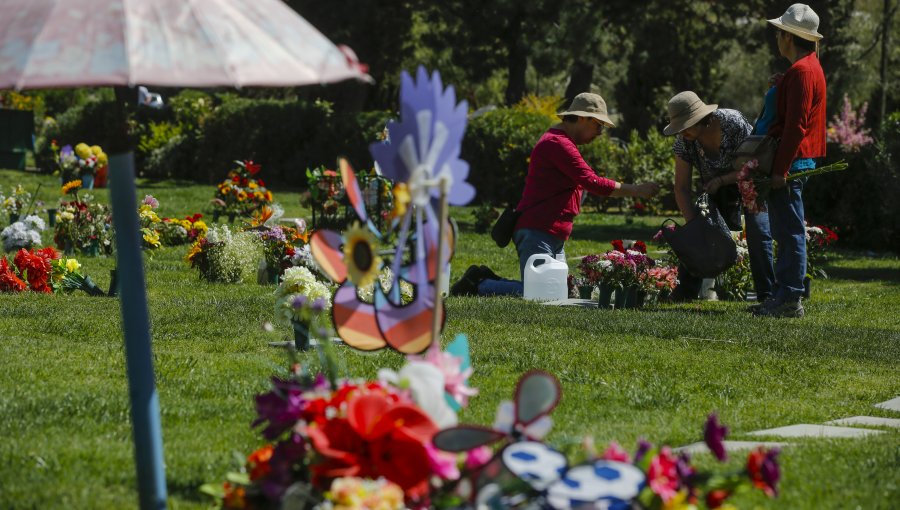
<point x="187" y="43"/>
<point x="200" y="43"/>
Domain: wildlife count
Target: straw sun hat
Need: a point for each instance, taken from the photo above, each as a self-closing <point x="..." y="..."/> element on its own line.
<point x="801" y="21"/>
<point x="587" y="104"/>
<point x="685" y="110"/>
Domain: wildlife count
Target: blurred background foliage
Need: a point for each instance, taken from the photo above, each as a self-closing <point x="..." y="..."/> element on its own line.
<point x="516" y="64"/>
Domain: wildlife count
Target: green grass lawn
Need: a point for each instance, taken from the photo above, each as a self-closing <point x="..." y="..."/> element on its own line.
<point x="65" y="437"/>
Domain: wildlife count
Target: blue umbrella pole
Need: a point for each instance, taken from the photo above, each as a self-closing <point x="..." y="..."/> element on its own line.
<point x="145" y="419"/>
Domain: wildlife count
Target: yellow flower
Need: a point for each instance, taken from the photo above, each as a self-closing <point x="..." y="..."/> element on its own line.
<point x="71" y="186"/>
<point x="151" y="238"/>
<point x="146" y="213"/>
<point x="96" y="150"/>
<point x="361" y="256"/>
<point x="102" y="160"/>
<point x="252" y="185"/>
<point x="83" y="151"/>
<point x="241" y="196"/>
<point x="72" y="265"/>
<point x="402" y="199"/>
<point x="195" y="249"/>
<point x="185" y="224"/>
<point x="201" y="227"/>
<point x="268" y="196"/>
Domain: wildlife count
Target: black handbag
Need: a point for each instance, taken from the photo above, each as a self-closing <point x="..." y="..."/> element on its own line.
<point x="503" y="228"/>
<point x="703" y="245"/>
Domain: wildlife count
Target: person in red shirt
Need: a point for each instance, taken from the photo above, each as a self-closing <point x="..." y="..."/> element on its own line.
<point x="557" y="178"/>
<point x="800" y="127"/>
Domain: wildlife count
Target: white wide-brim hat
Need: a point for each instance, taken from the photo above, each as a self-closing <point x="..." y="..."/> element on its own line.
<point x="588" y="104"/>
<point x="801" y="21"/>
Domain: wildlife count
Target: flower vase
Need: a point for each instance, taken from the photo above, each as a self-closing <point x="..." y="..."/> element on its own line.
<point x="13" y="217"/>
<point x="273" y="275"/>
<point x="216" y="214"/>
<point x="231" y="217"/>
<point x="301" y="335"/>
<point x="87" y="181"/>
<point x="91" y="288"/>
<point x="807" y="287"/>
<point x="585" y="291"/>
<point x="113" y="283"/>
<point x="619" y="300"/>
<point x="605" y="299"/>
<point x="631" y="297"/>
<point x="68" y="248"/>
<point x="51" y="217"/>
<point x="94" y="248"/>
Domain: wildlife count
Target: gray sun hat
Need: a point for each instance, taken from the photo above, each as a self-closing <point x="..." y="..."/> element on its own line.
<point x="801" y="21"/>
<point x="685" y="110"/>
<point x="587" y="104"/>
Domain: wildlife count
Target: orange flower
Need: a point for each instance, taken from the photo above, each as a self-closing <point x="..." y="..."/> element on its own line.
<point x="258" y="462"/>
<point x="235" y="496"/>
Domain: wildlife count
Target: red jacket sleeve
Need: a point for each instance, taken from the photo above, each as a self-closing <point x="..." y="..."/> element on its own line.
<point x="798" y="99"/>
<point x="567" y="158"/>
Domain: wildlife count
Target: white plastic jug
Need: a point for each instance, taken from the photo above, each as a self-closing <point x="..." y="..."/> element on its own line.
<point x="545" y="278"/>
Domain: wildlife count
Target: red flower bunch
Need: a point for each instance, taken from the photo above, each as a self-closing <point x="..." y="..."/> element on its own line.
<point x="35" y="267"/>
<point x="618" y="245"/>
<point x="379" y="437"/>
<point x="639" y="246"/>
<point x="9" y="281"/>
<point x="763" y="468"/>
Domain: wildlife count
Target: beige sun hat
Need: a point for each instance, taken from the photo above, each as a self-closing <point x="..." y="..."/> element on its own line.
<point x="801" y="21"/>
<point x="685" y="110"/>
<point x="588" y="104"/>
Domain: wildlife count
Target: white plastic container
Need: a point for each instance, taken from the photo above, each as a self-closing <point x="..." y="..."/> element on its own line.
<point x="545" y="278"/>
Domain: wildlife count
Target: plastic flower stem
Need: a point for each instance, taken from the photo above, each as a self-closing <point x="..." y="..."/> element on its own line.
<point x="33" y="199"/>
<point x="145" y="418"/>
<point x="438" y="296"/>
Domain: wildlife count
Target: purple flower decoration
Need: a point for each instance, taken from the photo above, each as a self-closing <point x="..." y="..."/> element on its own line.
<point x="280" y="407"/>
<point x="770" y="470"/>
<point x="713" y="435"/>
<point x="287" y="453"/>
<point x="643" y="447"/>
<point x="299" y="302"/>
<point x="426" y="142"/>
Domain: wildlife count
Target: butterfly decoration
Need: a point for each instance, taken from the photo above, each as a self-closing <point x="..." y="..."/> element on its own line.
<point x="537" y="394"/>
<point x="600" y="484"/>
<point x="424" y="150"/>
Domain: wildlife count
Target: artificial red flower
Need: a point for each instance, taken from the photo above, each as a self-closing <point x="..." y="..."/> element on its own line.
<point x="640" y="246"/>
<point x="380" y="437"/>
<point x="9" y="282"/>
<point x="258" y="462"/>
<point x="618" y="245"/>
<point x="252" y="168"/>
<point x="236" y="178"/>
<point x="261" y="183"/>
<point x="36" y="268"/>
<point x="714" y="499"/>
<point x="763" y="468"/>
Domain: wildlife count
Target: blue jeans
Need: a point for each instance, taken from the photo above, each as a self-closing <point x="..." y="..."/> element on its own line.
<point x="789" y="231"/>
<point x="528" y="242"/>
<point x="759" y="246"/>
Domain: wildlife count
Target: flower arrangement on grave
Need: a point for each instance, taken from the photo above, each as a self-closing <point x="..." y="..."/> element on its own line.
<point x="755" y="185"/>
<point x="224" y="255"/>
<point x="300" y="287"/>
<point x="484" y="216"/>
<point x="818" y="240"/>
<point x="178" y="231"/>
<point x="242" y="192"/>
<point x="326" y="190"/>
<point x="82" y="224"/>
<point x="83" y="160"/>
<point x="737" y="280"/>
<point x="366" y="293"/>
<point x="24" y="233"/>
<point x="15" y="203"/>
<point x="67" y="277"/>
<point x="659" y="279"/>
<point x="670" y="258"/>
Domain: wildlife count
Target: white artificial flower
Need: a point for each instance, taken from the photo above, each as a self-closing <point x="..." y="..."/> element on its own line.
<point x="426" y="385"/>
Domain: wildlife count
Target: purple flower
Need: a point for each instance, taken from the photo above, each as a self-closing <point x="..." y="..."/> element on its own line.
<point x="685" y="471"/>
<point x="149" y="200"/>
<point x="287" y="454"/>
<point x="280" y="407"/>
<point x="770" y="470"/>
<point x="318" y="305"/>
<point x="299" y="302"/>
<point x="643" y="448"/>
<point x="713" y="435"/>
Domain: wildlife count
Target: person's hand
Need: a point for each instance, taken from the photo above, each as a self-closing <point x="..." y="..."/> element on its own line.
<point x="712" y="186"/>
<point x="778" y="181"/>
<point x="646" y="189"/>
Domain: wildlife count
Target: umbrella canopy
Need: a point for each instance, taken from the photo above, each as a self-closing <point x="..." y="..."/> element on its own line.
<point x="199" y="43"/>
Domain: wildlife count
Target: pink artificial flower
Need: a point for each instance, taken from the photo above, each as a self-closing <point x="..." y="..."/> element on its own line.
<point x="477" y="457"/>
<point x="454" y="377"/>
<point x="152" y="202"/>
<point x="663" y="474"/>
<point x="443" y="464"/>
<point x="615" y="452"/>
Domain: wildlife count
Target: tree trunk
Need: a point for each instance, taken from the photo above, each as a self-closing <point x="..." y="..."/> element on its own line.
<point x="517" y="64"/>
<point x="579" y="80"/>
